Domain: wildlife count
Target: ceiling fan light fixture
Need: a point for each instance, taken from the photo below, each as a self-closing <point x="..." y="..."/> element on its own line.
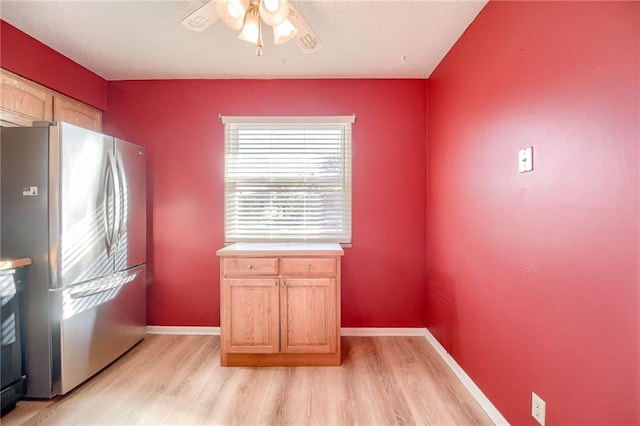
<point x="284" y="32"/>
<point x="252" y="31"/>
<point x="274" y="12"/>
<point x="233" y="12"/>
<point x="247" y="16"/>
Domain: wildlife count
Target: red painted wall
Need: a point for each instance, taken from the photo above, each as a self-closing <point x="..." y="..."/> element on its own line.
<point x="383" y="273"/>
<point x="541" y="268"/>
<point x="26" y="56"/>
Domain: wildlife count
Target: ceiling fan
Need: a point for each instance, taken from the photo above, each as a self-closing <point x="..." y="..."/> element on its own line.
<point x="247" y="16"/>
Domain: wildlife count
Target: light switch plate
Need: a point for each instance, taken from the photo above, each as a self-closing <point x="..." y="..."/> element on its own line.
<point x="525" y="159"/>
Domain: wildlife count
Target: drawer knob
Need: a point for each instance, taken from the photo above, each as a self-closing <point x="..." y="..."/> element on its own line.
<point x="249" y="267"/>
<point x="308" y="268"/>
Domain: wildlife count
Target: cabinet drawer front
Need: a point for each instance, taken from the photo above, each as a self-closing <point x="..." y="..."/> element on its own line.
<point x="308" y="266"/>
<point x="250" y="266"/>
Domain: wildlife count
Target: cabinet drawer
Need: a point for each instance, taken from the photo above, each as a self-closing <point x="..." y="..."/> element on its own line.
<point x="308" y="266"/>
<point x="250" y="266"/>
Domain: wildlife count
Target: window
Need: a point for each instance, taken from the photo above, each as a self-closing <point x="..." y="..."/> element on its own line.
<point x="288" y="179"/>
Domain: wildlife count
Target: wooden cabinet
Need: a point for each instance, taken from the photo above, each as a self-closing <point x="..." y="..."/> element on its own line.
<point x="74" y="112"/>
<point x="308" y="315"/>
<point x="251" y="320"/>
<point x="280" y="305"/>
<point x="22" y="102"/>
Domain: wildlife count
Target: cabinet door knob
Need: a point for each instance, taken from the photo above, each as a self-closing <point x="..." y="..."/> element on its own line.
<point x="283" y="283"/>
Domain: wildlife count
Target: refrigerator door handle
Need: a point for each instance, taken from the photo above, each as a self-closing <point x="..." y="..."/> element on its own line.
<point x="120" y="196"/>
<point x="111" y="232"/>
<point x="103" y="288"/>
<point x="105" y="206"/>
<point x="97" y="290"/>
<point x="117" y="204"/>
<point x="121" y="279"/>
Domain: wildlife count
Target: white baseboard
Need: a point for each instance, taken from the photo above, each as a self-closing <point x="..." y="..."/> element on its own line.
<point x="187" y="331"/>
<point x="344" y="331"/>
<point x="381" y="331"/>
<point x="468" y="383"/>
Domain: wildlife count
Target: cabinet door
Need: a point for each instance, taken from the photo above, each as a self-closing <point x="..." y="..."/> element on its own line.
<point x="23" y="102"/>
<point x="308" y="307"/>
<point x="250" y="315"/>
<point x="74" y="112"/>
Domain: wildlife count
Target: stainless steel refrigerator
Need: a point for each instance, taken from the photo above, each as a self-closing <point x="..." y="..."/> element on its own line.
<point x="75" y="202"/>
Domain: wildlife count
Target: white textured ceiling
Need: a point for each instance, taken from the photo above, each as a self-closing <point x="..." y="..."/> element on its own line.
<point x="122" y="40"/>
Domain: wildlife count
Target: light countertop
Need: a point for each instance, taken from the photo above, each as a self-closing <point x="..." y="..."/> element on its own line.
<point x="14" y="263"/>
<point x="266" y="249"/>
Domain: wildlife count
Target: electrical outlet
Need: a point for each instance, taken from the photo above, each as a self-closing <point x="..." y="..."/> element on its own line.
<point x="538" y="408"/>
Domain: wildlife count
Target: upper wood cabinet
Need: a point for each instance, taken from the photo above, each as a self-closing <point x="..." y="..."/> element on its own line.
<point x="74" y="112"/>
<point x="22" y="102"/>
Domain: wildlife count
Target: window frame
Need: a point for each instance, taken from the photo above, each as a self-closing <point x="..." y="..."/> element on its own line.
<point x="234" y="123"/>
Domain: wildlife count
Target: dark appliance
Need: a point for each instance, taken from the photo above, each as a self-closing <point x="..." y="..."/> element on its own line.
<point x="12" y="371"/>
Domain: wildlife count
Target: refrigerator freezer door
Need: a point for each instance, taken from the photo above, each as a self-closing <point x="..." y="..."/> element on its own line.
<point x="100" y="321"/>
<point x="83" y="221"/>
<point x="131" y="246"/>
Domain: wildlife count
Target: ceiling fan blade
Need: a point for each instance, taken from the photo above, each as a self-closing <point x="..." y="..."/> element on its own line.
<point x="202" y="18"/>
<point x="306" y="38"/>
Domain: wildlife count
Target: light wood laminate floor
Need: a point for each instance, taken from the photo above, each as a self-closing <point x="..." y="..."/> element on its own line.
<point x="178" y="380"/>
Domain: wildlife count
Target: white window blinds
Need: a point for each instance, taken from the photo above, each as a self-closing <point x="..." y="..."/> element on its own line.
<point x="288" y="178"/>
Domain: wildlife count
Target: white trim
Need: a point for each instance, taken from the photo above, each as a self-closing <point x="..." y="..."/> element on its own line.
<point x="468" y="383"/>
<point x="381" y="331"/>
<point x="233" y="119"/>
<point x="344" y="331"/>
<point x="186" y="331"/>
